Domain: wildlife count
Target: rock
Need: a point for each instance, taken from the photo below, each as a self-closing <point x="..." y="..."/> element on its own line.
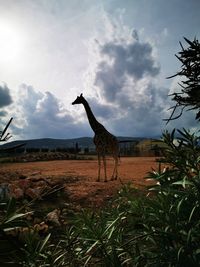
<point x="41" y="227"/>
<point x="24" y="184"/>
<point x="34" y="192"/>
<point x="15" y="191"/>
<point x="53" y="216"/>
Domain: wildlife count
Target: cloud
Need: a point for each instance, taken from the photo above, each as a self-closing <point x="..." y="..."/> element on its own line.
<point x="127" y="97"/>
<point x="122" y="83"/>
<point x="5" y="98"/>
<point x="43" y="115"/>
<point x="122" y="61"/>
<point x="124" y="77"/>
<point x="102" y="111"/>
<point x="3" y="113"/>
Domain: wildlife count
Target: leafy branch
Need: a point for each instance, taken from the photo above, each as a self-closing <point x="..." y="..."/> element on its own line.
<point x="3" y="135"/>
<point x="189" y="97"/>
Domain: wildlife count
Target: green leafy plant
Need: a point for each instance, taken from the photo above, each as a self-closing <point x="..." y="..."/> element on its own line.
<point x="160" y="228"/>
<point x="21" y="244"/>
<point x="176" y="205"/>
<point x="10" y="222"/>
<point x="109" y="237"/>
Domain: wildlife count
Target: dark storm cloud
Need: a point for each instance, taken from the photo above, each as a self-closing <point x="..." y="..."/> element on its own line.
<point x="133" y="59"/>
<point x="124" y="77"/>
<point x="5" y="98"/>
<point x="143" y="117"/>
<point x="3" y="113"/>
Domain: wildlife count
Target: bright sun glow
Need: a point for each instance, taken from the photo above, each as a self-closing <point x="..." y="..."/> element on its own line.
<point x="11" y="42"/>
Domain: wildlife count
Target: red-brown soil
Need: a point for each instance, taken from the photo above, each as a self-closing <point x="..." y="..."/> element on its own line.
<point x="79" y="176"/>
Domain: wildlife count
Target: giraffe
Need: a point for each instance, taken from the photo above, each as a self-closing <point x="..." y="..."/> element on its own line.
<point x="104" y="141"/>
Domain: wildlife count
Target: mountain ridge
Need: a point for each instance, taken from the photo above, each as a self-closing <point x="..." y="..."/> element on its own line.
<point x="52" y="143"/>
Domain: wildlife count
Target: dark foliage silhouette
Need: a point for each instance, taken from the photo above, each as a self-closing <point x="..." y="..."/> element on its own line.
<point x="189" y="97"/>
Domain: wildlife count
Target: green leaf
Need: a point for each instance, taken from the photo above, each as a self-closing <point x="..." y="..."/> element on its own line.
<point x="189" y="236"/>
<point x="191" y="214"/>
<point x="179" y="252"/>
<point x="11" y="207"/>
<point x="60" y="257"/>
<point x="111" y="225"/>
<point x="179" y="205"/>
<point x="44" y="242"/>
<point x="92" y="248"/>
<point x="111" y="232"/>
<point x="183" y="183"/>
<point x="16" y="216"/>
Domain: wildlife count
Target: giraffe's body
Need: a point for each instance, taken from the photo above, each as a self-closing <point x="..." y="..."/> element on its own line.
<point x="104" y="141"/>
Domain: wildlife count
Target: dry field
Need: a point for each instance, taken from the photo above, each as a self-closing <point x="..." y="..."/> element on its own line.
<point x="79" y="176"/>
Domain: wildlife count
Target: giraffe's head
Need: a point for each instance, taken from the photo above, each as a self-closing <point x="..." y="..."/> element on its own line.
<point x="79" y="100"/>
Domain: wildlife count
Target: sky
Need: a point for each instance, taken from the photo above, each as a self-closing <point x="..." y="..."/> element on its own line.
<point x="118" y="53"/>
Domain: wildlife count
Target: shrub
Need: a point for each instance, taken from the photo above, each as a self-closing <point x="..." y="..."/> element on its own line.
<point x="157" y="229"/>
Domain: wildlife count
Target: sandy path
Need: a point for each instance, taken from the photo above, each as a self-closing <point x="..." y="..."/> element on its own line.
<point x="85" y="188"/>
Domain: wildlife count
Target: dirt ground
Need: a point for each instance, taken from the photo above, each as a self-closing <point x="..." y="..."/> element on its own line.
<point x="79" y="176"/>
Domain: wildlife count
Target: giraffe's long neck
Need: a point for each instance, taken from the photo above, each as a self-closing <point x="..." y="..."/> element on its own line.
<point x="95" y="125"/>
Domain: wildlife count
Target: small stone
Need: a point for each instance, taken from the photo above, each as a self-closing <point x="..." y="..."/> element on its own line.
<point x="15" y="191"/>
<point x="53" y="216"/>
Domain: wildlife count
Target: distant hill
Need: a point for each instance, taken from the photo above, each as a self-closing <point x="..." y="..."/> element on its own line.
<point x="50" y="143"/>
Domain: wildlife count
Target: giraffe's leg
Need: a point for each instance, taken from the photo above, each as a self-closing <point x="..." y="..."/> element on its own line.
<point x="99" y="167"/>
<point x="116" y="167"/>
<point x="115" y="171"/>
<point x="104" y="164"/>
